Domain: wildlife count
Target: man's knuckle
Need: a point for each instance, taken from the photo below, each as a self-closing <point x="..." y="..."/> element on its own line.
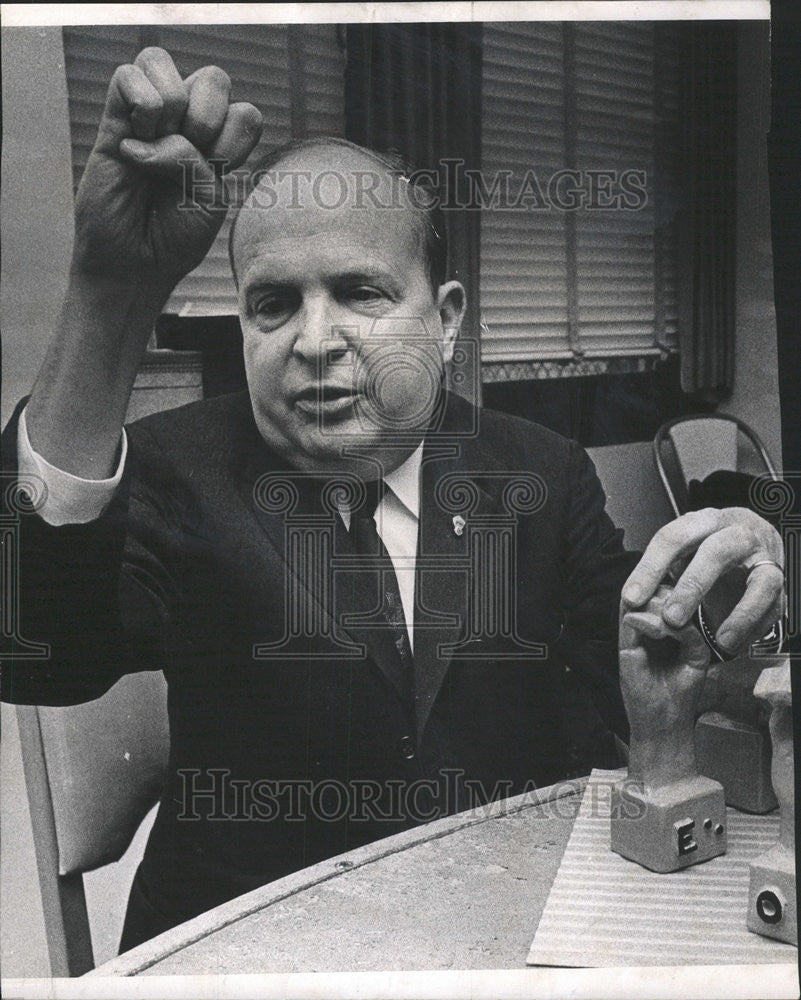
<point x="124" y="71"/>
<point x="200" y="130"/>
<point x="150" y="103"/>
<point x="775" y="544"/>
<point x="715" y="544"/>
<point x="175" y="99"/>
<point x="675" y="533"/>
<point x="707" y="518"/>
<point x="691" y="585"/>
<point x="737" y="516"/>
<point x="669" y="532"/>
<point x="152" y="55"/>
<point x="754" y="538"/>
<point x="216" y="76"/>
<point x="250" y="113"/>
<point x="647" y="566"/>
<point x="735" y="544"/>
<point x="249" y="120"/>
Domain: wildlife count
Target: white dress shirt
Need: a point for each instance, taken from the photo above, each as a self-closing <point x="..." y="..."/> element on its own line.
<point x="73" y="500"/>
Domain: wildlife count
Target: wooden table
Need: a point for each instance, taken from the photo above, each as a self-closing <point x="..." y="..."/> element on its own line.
<point x="464" y="892"/>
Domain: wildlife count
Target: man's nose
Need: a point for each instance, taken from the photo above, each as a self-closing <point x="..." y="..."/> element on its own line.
<point x="322" y="335"/>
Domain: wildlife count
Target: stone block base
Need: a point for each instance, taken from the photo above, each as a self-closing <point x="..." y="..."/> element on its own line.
<point x="771" y="897"/>
<point x="669" y="828"/>
<point x="737" y="755"/>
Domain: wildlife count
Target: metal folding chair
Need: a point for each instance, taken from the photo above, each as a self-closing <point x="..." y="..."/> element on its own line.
<point x="693" y="446"/>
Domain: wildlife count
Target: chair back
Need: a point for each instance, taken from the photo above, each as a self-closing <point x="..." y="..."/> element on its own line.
<point x="635" y="499"/>
<point x="92" y="772"/>
<point x="692" y="447"/>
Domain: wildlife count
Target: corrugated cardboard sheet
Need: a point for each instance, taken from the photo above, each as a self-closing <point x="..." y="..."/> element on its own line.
<point x="606" y="911"/>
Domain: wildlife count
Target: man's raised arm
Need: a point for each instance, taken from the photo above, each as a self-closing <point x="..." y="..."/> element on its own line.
<point x="137" y="234"/>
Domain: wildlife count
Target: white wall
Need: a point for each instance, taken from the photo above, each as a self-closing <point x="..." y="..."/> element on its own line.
<point x="36" y="239"/>
<point x="756" y="389"/>
<point x="635" y="497"/>
<point x="35" y="201"/>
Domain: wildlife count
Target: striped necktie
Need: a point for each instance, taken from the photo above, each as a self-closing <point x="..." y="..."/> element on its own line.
<point x="367" y="542"/>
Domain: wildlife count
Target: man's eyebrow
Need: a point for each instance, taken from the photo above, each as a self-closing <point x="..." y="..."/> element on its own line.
<point x="256" y="280"/>
<point x="259" y="282"/>
<point x="364" y="274"/>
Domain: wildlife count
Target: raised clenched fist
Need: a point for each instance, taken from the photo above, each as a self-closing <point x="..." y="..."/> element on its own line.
<point x="135" y="218"/>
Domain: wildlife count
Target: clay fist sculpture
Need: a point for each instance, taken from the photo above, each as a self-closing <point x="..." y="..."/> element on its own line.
<point x="665" y="816"/>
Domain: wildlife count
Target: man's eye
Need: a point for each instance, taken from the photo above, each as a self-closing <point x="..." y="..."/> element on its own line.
<point x="365" y="293"/>
<point x="273" y="305"/>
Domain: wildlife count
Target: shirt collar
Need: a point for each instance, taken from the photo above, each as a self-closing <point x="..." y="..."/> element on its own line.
<point x="405" y="481"/>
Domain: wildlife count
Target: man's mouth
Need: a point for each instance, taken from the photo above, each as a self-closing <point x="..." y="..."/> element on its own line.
<point x="328" y="399"/>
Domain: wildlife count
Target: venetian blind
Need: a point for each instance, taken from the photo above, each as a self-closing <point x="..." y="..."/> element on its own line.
<point x="293" y="74"/>
<point x="580" y="264"/>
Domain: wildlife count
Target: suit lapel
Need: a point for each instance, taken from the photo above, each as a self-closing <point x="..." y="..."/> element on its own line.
<point x="441" y="592"/>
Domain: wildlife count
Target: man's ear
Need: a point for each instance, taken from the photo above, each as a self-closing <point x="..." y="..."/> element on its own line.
<point x="451" y="304"/>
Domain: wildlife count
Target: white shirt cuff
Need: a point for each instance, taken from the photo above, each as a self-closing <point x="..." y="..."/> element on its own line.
<point x="68" y="499"/>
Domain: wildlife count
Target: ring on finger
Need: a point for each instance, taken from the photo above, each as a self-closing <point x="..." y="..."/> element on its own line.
<point x="766" y="562"/>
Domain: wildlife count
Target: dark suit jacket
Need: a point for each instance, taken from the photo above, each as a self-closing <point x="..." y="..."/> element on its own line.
<point x="186" y="574"/>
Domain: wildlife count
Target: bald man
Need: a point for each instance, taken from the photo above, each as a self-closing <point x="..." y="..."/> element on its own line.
<point x="166" y="547"/>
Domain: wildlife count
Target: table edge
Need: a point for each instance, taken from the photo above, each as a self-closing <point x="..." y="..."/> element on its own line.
<point x="151" y="952"/>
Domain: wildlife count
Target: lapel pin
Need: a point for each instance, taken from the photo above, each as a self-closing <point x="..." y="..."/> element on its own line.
<point x="458" y="524"/>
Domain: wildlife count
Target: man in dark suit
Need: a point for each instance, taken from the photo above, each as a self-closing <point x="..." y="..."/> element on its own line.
<point x="362" y="593"/>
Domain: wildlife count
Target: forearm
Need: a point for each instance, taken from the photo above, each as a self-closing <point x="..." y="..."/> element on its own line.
<point x="663" y="758"/>
<point x="78" y="404"/>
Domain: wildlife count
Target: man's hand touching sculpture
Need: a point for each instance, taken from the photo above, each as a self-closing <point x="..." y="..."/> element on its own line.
<point x="731" y="561"/>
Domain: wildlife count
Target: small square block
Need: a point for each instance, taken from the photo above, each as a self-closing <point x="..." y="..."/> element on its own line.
<point x="772" y="895"/>
<point x="669" y="828"/>
<point x="737" y="755"/>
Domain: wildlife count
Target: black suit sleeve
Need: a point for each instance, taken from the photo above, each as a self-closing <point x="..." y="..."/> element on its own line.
<point x="70" y="583"/>
<point x="596" y="567"/>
